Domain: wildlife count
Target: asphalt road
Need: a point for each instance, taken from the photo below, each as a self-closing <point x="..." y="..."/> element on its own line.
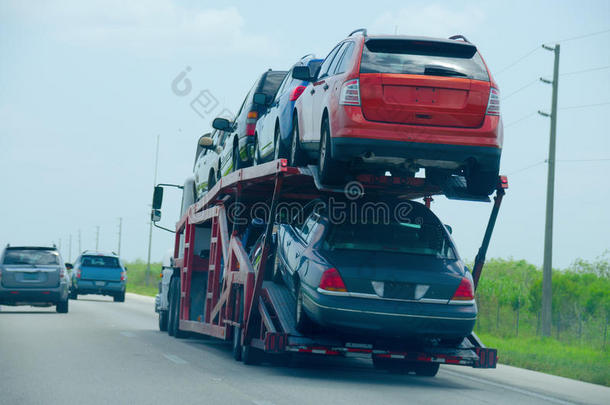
<point x="106" y="352"/>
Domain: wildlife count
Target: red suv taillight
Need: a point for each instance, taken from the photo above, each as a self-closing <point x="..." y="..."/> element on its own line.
<point x="251" y="123"/>
<point x="62" y="273"/>
<point x="123" y="276"/>
<point x="493" y="105"/>
<point x="350" y="93"/>
<point x="77" y="273"/>
<point x="331" y="281"/>
<point x="296" y="92"/>
<point x="464" y="292"/>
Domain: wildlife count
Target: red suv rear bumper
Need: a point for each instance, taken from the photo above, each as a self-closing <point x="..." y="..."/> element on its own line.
<point x="354" y="136"/>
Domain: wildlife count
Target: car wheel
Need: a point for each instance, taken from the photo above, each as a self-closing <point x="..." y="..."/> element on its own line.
<point x="236" y="159"/>
<point x="296" y="154"/>
<point x="279" y="150"/>
<point x="256" y="160"/>
<point x="163" y="321"/>
<point x="481" y="182"/>
<point x="62" y="307"/>
<point x="303" y="323"/>
<point x="277" y="271"/>
<point x="329" y="170"/>
<point x="73" y="295"/>
<point x="119" y="297"/>
<point x="426" y="369"/>
<point x="211" y="180"/>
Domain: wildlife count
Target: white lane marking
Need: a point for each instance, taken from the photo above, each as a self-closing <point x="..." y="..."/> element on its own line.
<point x="512" y="388"/>
<point x="174" y="358"/>
<point x="128" y="334"/>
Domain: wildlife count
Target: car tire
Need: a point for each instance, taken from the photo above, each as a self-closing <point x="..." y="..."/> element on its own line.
<point x="481" y="182"/>
<point x="73" y="295"/>
<point x="426" y="369"/>
<point x="119" y="297"/>
<point x="251" y="356"/>
<point x="296" y="157"/>
<point x="163" y="321"/>
<point x="279" y="150"/>
<point x="329" y="170"/>
<point x="303" y="323"/>
<point x="277" y="271"/>
<point x="211" y="180"/>
<point x="235" y="158"/>
<point x="62" y="307"/>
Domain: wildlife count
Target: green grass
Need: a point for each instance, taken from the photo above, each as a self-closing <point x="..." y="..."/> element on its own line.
<point x="550" y="356"/>
<point x="136" y="278"/>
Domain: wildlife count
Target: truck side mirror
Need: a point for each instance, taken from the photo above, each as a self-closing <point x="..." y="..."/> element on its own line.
<point x="449" y="229"/>
<point x="69" y="266"/>
<point x="302" y="73"/>
<point x="206" y="141"/>
<point x="221" y="124"/>
<point x="157" y="198"/>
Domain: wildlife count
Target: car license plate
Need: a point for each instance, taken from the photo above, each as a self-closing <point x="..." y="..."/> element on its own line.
<point x="30" y="276"/>
<point x="100" y="283"/>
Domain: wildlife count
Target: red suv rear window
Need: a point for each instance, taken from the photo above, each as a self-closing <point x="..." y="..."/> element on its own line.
<point x="422" y="57"/>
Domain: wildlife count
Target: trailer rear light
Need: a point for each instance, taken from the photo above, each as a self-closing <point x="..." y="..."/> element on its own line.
<point x="493" y="105"/>
<point x="331" y="281"/>
<point x="464" y="292"/>
<point x="350" y="93"/>
<point x="296" y="92"/>
<point x="251" y="123"/>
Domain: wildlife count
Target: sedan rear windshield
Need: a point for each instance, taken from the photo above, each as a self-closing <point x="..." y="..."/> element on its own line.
<point x="272" y="83"/>
<point x="31" y="257"/>
<point x="100" y="261"/>
<point x="425" y="239"/>
<point x="428" y="58"/>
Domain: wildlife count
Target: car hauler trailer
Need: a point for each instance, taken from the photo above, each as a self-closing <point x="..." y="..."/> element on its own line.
<point x="216" y="289"/>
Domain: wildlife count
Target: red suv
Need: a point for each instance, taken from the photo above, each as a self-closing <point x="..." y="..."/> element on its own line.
<point x="400" y="103"/>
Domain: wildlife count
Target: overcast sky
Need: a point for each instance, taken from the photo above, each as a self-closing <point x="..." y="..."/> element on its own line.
<point x="85" y="88"/>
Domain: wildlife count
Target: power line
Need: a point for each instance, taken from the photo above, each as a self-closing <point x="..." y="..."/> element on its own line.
<point x="517" y="61"/>
<point x="585" y="70"/>
<point x="584" y="160"/>
<point x="527" y="167"/>
<point x="520" y="89"/>
<point x="583" y="36"/>
<point x="584" y="106"/>
<point x="519" y="120"/>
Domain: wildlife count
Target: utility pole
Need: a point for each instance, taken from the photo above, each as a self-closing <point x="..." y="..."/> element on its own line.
<point x="79" y="243"/>
<point x="147" y="278"/>
<point x="97" y="237"/>
<point x="70" y="249"/>
<point x="120" y="231"/>
<point x="547" y="264"/>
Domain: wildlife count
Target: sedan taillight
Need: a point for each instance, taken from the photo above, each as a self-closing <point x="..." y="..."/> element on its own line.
<point x="350" y="93"/>
<point x="331" y="281"/>
<point x="493" y="105"/>
<point x="464" y="292"/>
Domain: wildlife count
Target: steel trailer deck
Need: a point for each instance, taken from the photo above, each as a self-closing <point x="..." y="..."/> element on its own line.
<point x="223" y="294"/>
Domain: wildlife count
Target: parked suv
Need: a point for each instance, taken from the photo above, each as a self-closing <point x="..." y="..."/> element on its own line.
<point x="99" y="273"/>
<point x="401" y="103"/>
<point x="32" y="275"/>
<point x="241" y="138"/>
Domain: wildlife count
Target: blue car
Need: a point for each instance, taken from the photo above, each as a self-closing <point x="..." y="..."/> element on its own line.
<point x="274" y="126"/>
<point x="397" y="278"/>
<point x="98" y="273"/>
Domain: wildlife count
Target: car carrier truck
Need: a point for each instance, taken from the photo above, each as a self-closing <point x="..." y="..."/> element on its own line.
<point x="216" y="289"/>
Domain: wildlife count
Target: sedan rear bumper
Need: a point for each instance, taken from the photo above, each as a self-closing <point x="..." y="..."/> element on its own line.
<point x="390" y="318"/>
<point x="90" y="287"/>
